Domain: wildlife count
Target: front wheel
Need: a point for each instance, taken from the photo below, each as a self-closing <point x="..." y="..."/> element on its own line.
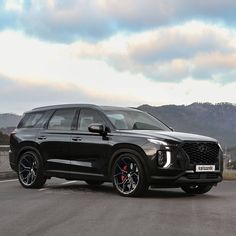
<point x="128" y="176"/>
<point x="30" y="172"/>
<point x="197" y="189"/>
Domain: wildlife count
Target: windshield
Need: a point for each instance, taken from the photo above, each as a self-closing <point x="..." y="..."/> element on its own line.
<point x="136" y="120"/>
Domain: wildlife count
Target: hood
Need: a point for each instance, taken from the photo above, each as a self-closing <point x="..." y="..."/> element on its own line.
<point x="169" y="135"/>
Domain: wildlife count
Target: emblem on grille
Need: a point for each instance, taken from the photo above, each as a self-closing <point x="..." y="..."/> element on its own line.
<point x="203" y="148"/>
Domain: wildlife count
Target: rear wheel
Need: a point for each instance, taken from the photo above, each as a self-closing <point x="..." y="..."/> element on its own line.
<point x="128" y="176"/>
<point x="30" y="172"/>
<point x="197" y="189"/>
<point x="94" y="182"/>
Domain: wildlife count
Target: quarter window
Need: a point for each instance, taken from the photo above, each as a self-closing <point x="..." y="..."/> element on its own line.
<point x="62" y="120"/>
<point x="87" y="117"/>
<point x="30" y="120"/>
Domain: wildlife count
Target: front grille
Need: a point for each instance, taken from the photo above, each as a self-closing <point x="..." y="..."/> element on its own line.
<point x="202" y="152"/>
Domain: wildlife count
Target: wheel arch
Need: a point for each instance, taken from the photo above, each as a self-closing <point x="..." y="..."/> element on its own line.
<point x="28" y="146"/>
<point x="119" y="149"/>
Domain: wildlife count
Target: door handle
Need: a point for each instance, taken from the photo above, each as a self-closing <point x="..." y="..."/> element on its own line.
<point x="76" y="139"/>
<point x="42" y="137"/>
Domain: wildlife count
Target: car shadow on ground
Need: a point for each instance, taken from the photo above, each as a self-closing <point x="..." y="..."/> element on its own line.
<point x="175" y="193"/>
<point x="81" y="187"/>
<point x="108" y="189"/>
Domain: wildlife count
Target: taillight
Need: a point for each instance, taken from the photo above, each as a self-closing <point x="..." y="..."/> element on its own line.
<point x="13" y="132"/>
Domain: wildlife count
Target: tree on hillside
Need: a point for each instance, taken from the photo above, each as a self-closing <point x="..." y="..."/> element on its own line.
<point x="4" y="139"/>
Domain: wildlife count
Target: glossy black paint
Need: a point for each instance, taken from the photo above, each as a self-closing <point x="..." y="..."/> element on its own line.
<point x="86" y="155"/>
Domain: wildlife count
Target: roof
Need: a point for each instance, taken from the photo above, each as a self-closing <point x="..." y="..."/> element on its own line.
<point x="110" y="108"/>
<point x="44" y="108"/>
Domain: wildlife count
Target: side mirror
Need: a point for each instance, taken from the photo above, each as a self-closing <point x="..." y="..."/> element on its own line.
<point x="97" y="128"/>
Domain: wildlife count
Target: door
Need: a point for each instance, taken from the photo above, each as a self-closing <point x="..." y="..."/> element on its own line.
<point x="88" y="150"/>
<point x="55" y="140"/>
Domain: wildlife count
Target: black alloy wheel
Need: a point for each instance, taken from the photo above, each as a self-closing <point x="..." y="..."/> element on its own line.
<point x="30" y="172"/>
<point x="128" y="176"/>
<point x="197" y="189"/>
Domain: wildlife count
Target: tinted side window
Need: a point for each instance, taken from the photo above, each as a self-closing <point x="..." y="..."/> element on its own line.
<point x="87" y="117"/>
<point x="30" y="120"/>
<point x="62" y="119"/>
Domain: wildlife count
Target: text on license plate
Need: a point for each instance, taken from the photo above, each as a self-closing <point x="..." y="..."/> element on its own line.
<point x="205" y="168"/>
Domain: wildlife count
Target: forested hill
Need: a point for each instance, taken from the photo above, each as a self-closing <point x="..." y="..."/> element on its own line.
<point x="9" y="120"/>
<point x="4" y="139"/>
<point x="218" y="121"/>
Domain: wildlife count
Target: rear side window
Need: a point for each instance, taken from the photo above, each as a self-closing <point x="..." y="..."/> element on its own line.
<point x="62" y="119"/>
<point x="30" y="120"/>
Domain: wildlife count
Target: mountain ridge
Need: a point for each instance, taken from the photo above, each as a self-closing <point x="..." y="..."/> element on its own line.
<point x="9" y="120"/>
<point x="215" y="120"/>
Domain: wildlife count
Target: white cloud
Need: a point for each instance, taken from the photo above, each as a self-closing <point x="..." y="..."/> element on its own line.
<point x="14" y="5"/>
<point x="67" y="21"/>
<point x="54" y="71"/>
<point x="194" y="49"/>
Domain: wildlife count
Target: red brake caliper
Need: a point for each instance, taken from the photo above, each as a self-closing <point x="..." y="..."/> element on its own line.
<point x="124" y="169"/>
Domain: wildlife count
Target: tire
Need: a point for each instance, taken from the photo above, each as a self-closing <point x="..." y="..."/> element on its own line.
<point x="30" y="171"/>
<point x="94" y="182"/>
<point x="128" y="176"/>
<point x="197" y="189"/>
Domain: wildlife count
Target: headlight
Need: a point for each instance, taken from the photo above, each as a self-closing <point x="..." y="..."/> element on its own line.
<point x="156" y="141"/>
<point x="220" y="147"/>
<point x="163" y="158"/>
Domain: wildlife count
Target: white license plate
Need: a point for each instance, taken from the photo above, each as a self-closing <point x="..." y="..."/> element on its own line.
<point x="205" y="168"/>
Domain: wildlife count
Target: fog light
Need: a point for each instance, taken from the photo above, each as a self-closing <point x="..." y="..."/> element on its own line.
<point x="163" y="158"/>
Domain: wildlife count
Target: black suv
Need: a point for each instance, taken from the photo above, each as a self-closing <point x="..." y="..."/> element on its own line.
<point x="100" y="144"/>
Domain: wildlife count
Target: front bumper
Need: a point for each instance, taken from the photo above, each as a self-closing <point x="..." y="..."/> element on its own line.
<point x="186" y="178"/>
<point x="182" y="169"/>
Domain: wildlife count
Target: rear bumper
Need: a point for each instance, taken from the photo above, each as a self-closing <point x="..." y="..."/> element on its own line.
<point x="186" y="178"/>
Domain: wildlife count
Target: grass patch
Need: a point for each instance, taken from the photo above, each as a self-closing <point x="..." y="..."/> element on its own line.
<point x="229" y="175"/>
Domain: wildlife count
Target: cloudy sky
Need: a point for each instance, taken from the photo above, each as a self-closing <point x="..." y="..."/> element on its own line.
<point x="116" y="52"/>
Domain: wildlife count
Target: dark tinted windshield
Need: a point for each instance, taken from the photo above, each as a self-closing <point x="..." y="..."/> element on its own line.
<point x="131" y="119"/>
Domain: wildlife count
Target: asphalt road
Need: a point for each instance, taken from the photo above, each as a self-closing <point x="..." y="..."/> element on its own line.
<point x="74" y="208"/>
